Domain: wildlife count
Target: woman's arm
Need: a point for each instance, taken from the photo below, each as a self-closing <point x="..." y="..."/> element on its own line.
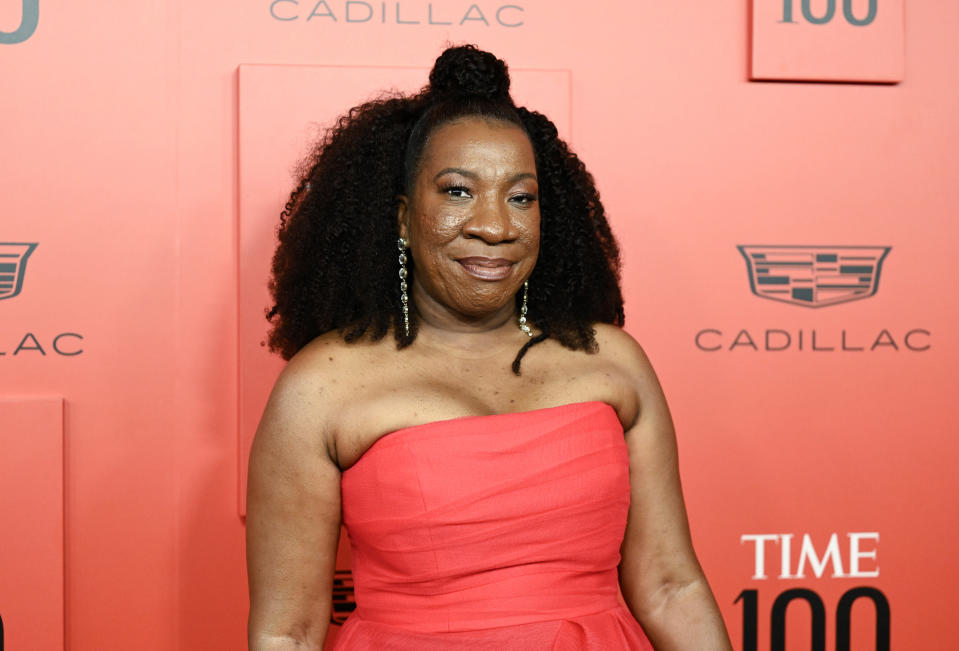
<point x="293" y="518"/>
<point x="661" y="579"/>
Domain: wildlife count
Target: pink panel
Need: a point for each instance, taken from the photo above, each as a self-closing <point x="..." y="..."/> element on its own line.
<point x="828" y="40"/>
<point x="31" y="513"/>
<point x="273" y="137"/>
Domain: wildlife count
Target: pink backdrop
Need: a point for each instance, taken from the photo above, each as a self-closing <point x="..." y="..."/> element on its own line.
<point x="124" y="134"/>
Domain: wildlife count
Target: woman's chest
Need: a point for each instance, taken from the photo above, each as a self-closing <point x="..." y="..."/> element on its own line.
<point x="398" y="397"/>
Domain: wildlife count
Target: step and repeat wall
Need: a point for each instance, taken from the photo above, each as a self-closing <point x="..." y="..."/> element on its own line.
<point x="781" y="175"/>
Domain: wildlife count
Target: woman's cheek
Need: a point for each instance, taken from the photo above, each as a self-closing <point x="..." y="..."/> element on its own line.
<point x="446" y="228"/>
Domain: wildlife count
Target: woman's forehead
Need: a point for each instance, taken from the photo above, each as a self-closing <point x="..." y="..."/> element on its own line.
<point x="478" y="140"/>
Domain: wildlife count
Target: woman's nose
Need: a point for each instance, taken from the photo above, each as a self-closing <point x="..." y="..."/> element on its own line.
<point x="491" y="221"/>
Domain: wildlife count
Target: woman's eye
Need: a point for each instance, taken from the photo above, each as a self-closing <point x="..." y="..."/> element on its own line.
<point x="457" y="191"/>
<point x="524" y="198"/>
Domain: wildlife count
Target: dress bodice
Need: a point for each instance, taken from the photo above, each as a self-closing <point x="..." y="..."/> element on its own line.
<point x="490" y="525"/>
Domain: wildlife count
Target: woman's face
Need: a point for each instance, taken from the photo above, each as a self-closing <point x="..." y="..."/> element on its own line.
<point x="472" y="217"/>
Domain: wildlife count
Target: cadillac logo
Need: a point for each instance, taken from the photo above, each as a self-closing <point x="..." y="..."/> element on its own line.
<point x="814" y="276"/>
<point x="13" y="265"/>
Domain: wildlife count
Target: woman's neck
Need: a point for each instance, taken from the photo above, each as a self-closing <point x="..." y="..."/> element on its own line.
<point x="450" y="329"/>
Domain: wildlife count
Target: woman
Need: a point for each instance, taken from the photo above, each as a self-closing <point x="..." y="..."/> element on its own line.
<point x="508" y="455"/>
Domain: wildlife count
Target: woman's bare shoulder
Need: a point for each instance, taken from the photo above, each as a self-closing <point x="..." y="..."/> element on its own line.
<point x="330" y="358"/>
<point x="619" y="346"/>
<point x="318" y="379"/>
<point x="622" y="350"/>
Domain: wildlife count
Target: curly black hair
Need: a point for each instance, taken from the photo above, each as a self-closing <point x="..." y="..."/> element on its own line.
<point x="335" y="266"/>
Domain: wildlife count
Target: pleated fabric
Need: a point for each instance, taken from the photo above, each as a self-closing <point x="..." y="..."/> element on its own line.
<point x="491" y="532"/>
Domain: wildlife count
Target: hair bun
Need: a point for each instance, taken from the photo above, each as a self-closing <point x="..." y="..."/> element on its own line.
<point x="467" y="71"/>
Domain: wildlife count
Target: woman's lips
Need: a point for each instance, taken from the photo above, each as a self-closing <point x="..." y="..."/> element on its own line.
<point x="487" y="268"/>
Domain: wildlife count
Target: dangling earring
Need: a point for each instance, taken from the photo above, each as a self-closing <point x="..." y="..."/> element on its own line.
<point x="522" y="311"/>
<point x="401" y="245"/>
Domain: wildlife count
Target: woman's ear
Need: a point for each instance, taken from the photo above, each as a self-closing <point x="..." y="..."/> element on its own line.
<point x="402" y="207"/>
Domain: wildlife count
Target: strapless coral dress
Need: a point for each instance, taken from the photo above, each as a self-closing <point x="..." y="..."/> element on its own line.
<point x="491" y="532"/>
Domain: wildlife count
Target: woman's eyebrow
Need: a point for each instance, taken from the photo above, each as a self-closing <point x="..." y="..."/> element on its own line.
<point x="472" y="175"/>
<point x="455" y="170"/>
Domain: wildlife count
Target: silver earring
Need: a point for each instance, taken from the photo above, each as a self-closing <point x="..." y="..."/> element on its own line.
<point x="401" y="245"/>
<point x="522" y="311"/>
